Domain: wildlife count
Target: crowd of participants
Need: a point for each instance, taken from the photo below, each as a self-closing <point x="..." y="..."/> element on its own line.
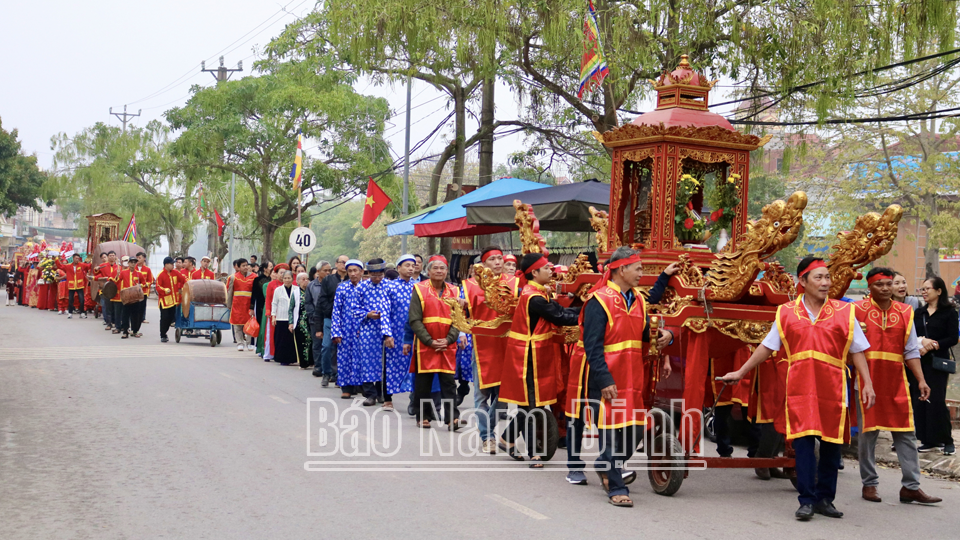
<point x="376" y="330"/>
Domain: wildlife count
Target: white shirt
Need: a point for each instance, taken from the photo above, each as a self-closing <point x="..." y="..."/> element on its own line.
<point x="281" y="303"/>
<point x="860" y="343"/>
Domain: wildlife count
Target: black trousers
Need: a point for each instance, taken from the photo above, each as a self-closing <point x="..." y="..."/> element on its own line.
<point x="422" y="388"/>
<point x="721" y="427"/>
<point x="132" y="317"/>
<point x="70" y="296"/>
<point x="167" y="316"/>
<point x="532" y="420"/>
<point x="931" y="418"/>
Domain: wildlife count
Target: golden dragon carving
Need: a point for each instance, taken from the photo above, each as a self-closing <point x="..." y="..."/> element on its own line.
<point x="732" y="272"/>
<point x="779" y="281"/>
<point x="580" y="266"/>
<point x="872" y="237"/>
<point x="530" y="238"/>
<point x="497" y="294"/>
<point x="461" y="322"/>
<point x="600" y="221"/>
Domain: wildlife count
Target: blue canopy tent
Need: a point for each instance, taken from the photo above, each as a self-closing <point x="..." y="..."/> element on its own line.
<point x="450" y="219"/>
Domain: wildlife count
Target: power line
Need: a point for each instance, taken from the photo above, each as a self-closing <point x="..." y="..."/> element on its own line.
<point x="124" y="116"/>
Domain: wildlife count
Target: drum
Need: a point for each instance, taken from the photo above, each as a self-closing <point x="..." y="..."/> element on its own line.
<point x="202" y="291"/>
<point x="131" y="295"/>
<point x="108" y="288"/>
<point x="96" y="287"/>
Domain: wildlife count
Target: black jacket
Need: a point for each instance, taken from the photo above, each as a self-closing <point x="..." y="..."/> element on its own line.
<point x="942" y="327"/>
<point x="328" y="289"/>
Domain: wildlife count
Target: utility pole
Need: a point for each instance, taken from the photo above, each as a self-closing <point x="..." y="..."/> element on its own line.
<point x="124" y="116"/>
<point x="221" y="73"/>
<point x="406" y="167"/>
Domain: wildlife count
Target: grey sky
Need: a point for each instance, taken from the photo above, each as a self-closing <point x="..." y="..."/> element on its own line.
<point x="66" y="63"/>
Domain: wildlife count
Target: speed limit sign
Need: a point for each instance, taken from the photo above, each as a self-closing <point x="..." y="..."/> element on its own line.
<point x="303" y="240"/>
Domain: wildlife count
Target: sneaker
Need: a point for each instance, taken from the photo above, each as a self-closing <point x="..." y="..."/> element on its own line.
<point x="489" y="447"/>
<point x="927" y="448"/>
<point x="164" y="339"/>
<point x="949" y="450"/>
<point x="577" y="478"/>
<point x="70" y="315"/>
<point x="325" y="381"/>
<point x="251" y="348"/>
<point x="240" y="347"/>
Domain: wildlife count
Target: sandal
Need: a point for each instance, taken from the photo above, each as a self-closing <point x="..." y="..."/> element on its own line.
<point x="537" y="463"/>
<point x="423" y="424"/>
<point x="456" y="425"/>
<point x="509" y="449"/>
<point x="621" y="500"/>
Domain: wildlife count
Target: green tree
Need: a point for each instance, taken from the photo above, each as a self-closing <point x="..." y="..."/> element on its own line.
<point x="863" y="167"/>
<point x="249" y="127"/>
<point x="20" y="178"/>
<point x="103" y="169"/>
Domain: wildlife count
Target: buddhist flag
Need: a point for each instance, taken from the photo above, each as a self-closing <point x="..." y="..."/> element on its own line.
<point x="131" y="233"/>
<point x="297" y="170"/>
<point x="376" y="201"/>
<point x="593" y="68"/>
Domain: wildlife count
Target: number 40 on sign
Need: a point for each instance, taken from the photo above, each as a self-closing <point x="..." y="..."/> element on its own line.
<point x="303" y="240"/>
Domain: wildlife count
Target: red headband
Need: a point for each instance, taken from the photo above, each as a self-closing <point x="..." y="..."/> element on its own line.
<point x="491" y="253"/>
<point x="436" y="258"/>
<point x="509" y="258"/>
<point x="813" y="266"/>
<point x="877" y="277"/>
<point x="635" y="258"/>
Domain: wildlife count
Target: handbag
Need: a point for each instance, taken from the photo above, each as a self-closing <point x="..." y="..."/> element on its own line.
<point x="252" y="328"/>
<point x="941" y="364"/>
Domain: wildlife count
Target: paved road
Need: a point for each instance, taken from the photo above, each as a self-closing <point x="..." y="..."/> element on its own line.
<point x="109" y="439"/>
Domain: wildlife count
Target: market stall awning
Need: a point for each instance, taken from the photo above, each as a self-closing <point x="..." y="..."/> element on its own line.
<point x="404" y="227"/>
<point x="559" y="208"/>
<point x="451" y="218"/>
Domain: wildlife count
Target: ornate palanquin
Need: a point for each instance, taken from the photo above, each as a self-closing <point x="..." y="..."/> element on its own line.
<point x="102" y="228"/>
<point x="652" y="152"/>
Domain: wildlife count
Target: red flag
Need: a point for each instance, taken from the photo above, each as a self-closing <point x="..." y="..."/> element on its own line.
<point x="376" y="202"/>
<point x="220" y="223"/>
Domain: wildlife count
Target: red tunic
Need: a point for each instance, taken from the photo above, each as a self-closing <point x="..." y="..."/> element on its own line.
<point x="766" y="390"/>
<point x="200" y="273"/>
<point x="623" y="351"/>
<point x="816" y="388"/>
<point x="146" y="278"/>
<point x="522" y="341"/>
<point x="111" y="271"/>
<point x="168" y="288"/>
<point x="887" y="332"/>
<point x="436" y="319"/>
<point x="242" y="291"/>
<point x="126" y="279"/>
<point x="489" y="344"/>
<point x="76" y="274"/>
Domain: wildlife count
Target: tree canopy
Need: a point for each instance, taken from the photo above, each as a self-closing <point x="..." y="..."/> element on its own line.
<point x="20" y="178"/>
<point x="249" y="127"/>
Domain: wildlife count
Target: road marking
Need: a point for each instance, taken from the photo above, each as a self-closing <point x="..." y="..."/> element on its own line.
<point x="529" y="512"/>
<point x="281" y="400"/>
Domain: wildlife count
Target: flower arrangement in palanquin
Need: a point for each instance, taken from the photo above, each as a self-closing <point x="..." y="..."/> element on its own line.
<point x="688" y="225"/>
<point x="48" y="270"/>
<point x="725" y="201"/>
